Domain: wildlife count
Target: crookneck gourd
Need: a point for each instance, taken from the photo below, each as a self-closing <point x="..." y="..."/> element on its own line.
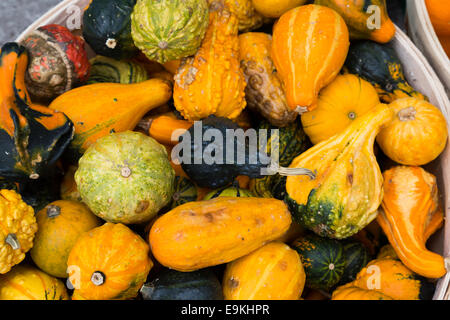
<point x="264" y="92"/>
<point x="212" y="82"/>
<point x="380" y="65"/>
<point x="309" y="47"/>
<point x="249" y="19"/>
<point x="410" y="205"/>
<point x="361" y="20"/>
<point x="102" y="108"/>
<point x="32" y="137"/>
<point x="18" y="229"/>
<point x="345" y="194"/>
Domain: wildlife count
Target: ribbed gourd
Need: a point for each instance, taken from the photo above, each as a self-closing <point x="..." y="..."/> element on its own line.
<point x="277" y="274"/>
<point x="410" y="208"/>
<point x="345" y="194"/>
<point x="344" y="100"/>
<point x="104" y="69"/>
<point x="264" y="92"/>
<point x="367" y="19"/>
<point x="212" y="82"/>
<point x="309" y="47"/>
<point x="18" y="229"/>
<point x="169" y="30"/>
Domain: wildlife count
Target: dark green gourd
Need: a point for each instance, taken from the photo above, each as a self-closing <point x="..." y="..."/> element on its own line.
<point x="175" y="285"/>
<point x="107" y="28"/>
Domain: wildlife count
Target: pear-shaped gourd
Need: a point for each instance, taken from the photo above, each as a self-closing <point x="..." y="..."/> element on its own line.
<point x="347" y="190"/>
<point x="103" y="108"/>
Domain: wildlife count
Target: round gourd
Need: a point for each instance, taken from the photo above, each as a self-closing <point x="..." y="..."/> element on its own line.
<point x="59" y="225"/>
<point x="273" y="272"/>
<point x="107" y="28"/>
<point x="125" y="177"/>
<point x="233" y="191"/>
<point x="104" y="69"/>
<point x="323" y="260"/>
<point x="356" y="257"/>
<point x="28" y="283"/>
<point x="418" y="134"/>
<point x="18" y="229"/>
<point x="393" y="279"/>
<point x="184" y="191"/>
<point x="58" y="62"/>
<point x="275" y="8"/>
<point x="169" y="30"/>
<point x="345" y="99"/>
<point x="109" y="263"/>
<point x="174" y="285"/>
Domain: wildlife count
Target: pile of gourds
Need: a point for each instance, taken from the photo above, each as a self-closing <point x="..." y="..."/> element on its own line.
<point x="129" y="221"/>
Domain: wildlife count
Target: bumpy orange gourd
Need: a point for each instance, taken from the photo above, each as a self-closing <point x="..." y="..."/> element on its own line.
<point x="362" y="19"/>
<point x="410" y="201"/>
<point x="344" y="100"/>
<point x="417" y="135"/>
<point x="309" y="47"/>
<point x="393" y="279"/>
<point x="28" y="283"/>
<point x="351" y="292"/>
<point x="276" y="274"/>
<point x="264" y="91"/>
<point x="109" y="263"/>
<point x="211" y="82"/>
<point x="200" y="234"/>
<point x="249" y="19"/>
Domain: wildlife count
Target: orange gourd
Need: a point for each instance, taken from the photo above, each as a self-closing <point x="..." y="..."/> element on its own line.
<point x="200" y="234"/>
<point x="409" y="204"/>
<point x="211" y="82"/>
<point x="110" y="262"/>
<point x="166" y="130"/>
<point x="309" y="47"/>
<point x="439" y="13"/>
<point x="417" y="135"/>
<point x="276" y="274"/>
<point x="351" y="292"/>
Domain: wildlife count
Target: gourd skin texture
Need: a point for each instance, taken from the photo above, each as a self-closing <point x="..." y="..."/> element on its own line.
<point x="409" y="204"/>
<point x="27" y="283"/>
<point x="395" y="280"/>
<point x="115" y="251"/>
<point x="57" y="235"/>
<point x="351" y="292"/>
<point x="104" y="69"/>
<point x="125" y="177"/>
<point x="418" y="134"/>
<point x="32" y="137"/>
<point x="99" y="109"/>
<point x="212" y="82"/>
<point x="275" y="8"/>
<point x="309" y="47"/>
<point x="16" y="218"/>
<point x="340" y="103"/>
<point x="273" y="272"/>
<point x="200" y="234"/>
<point x="347" y="191"/>
<point x="249" y="19"/>
<point x="169" y="30"/>
<point x="357" y="18"/>
<point x="264" y="92"/>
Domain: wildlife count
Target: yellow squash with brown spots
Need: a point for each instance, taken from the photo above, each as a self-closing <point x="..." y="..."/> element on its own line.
<point x="212" y="82"/>
<point x="200" y="234"/>
<point x="273" y="272"/>
<point x="17" y="229"/>
<point x="264" y="91"/>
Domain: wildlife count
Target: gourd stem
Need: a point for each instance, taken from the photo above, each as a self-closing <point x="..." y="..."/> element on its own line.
<point x="407" y="114"/>
<point x="98" y="278"/>
<point x="53" y="211"/>
<point x="125" y="172"/>
<point x="11" y="239"/>
<point x="282" y="171"/>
